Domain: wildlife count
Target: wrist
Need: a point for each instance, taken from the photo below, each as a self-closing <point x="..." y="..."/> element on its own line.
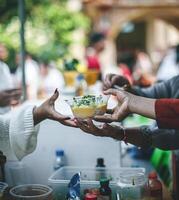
<point x="120" y="133"/>
<point x="37" y="115"/>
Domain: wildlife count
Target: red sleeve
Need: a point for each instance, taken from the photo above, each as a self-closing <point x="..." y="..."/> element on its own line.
<point x="167" y="113"/>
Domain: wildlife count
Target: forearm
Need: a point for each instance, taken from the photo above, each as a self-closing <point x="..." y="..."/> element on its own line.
<point x="147" y="136"/>
<point x="136" y="137"/>
<point x="142" y="106"/>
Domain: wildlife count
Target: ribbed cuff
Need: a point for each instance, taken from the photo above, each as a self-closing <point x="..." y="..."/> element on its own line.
<point x="23" y="134"/>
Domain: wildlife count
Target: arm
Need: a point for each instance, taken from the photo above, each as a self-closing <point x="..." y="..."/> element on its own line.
<point x="158" y="90"/>
<point x="22" y="132"/>
<point x="143" y="137"/>
<point x="147" y="136"/>
<point x="165" y="89"/>
<point x="20" y="127"/>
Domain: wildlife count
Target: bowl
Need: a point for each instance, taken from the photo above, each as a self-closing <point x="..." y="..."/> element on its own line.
<point x="31" y="192"/>
<point x="3" y="187"/>
<point x="88" y="106"/>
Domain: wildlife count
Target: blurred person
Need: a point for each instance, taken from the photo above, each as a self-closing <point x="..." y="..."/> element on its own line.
<point x="9" y="93"/>
<point x="50" y="78"/>
<point x="126" y="62"/>
<point x="169" y="66"/>
<point x="96" y="46"/>
<point x="32" y="75"/>
<point x="143" y="72"/>
<point x="143" y="62"/>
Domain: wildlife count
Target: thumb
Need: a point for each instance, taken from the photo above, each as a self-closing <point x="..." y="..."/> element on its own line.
<point x="111" y="92"/>
<point x="54" y="97"/>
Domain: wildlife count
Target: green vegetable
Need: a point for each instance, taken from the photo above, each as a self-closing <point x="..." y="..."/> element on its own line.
<point x="87" y="100"/>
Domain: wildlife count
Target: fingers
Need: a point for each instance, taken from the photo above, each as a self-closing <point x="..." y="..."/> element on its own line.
<point x="110" y="111"/>
<point x="111" y="92"/>
<point x="92" y="126"/>
<point x="107" y="81"/>
<point x="104" y="118"/>
<point x="106" y="126"/>
<point x="54" y="97"/>
<point x="83" y="126"/>
<point x="70" y="122"/>
<point x="58" y="117"/>
<point x="89" y="127"/>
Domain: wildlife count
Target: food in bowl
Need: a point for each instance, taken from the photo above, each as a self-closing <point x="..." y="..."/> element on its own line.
<point x="88" y="106"/>
<point x="101" y="103"/>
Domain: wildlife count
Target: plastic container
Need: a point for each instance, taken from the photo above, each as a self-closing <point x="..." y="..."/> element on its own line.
<point x="3" y="187"/>
<point x="59" y="180"/>
<point x="31" y="192"/>
<point x="88" y="106"/>
<point x="132" y="186"/>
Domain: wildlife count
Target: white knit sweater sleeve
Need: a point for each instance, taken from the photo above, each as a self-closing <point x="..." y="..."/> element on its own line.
<point x="22" y="132"/>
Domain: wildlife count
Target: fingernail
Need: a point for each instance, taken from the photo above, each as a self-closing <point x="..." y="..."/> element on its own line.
<point x="56" y="90"/>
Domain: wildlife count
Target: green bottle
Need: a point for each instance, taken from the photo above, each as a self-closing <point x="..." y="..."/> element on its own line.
<point x="105" y="190"/>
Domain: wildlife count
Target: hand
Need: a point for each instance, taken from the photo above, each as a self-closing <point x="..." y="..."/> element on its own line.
<point x="47" y="111"/>
<point x="9" y="97"/>
<point x="105" y="130"/>
<point x="121" y="111"/>
<point x="114" y="79"/>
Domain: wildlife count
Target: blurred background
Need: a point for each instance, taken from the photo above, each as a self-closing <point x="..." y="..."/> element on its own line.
<point x="137" y="38"/>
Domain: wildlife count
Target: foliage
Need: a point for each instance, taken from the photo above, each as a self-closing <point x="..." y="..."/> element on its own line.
<point x="49" y="26"/>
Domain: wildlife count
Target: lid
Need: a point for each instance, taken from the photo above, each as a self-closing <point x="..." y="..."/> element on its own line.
<point x="89" y="196"/>
<point x="152" y="175"/>
<point x="100" y="162"/>
<point x="104" y="181"/>
<point x="131" y="179"/>
<point x="59" y="152"/>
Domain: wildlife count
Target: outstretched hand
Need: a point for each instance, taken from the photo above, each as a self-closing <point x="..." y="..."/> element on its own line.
<point x="47" y="111"/>
<point x="121" y="111"/>
<point x="104" y="130"/>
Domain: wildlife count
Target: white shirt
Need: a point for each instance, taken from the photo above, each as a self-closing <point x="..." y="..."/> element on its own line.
<point x="18" y="136"/>
<point x="32" y="77"/>
<point x="168" y="68"/>
<point x="53" y="80"/>
<point x="5" y="82"/>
